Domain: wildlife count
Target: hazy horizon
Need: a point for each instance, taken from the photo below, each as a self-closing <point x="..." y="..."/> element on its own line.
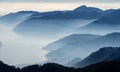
<point x="7" y="7"/>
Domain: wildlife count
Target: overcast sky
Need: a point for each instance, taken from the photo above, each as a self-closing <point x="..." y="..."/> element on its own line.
<point x="60" y="1"/>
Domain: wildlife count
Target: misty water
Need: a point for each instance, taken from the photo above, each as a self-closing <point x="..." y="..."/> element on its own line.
<point x="20" y="49"/>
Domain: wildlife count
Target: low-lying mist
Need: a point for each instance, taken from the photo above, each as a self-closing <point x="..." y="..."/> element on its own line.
<point x="19" y="49"/>
<point x="22" y="49"/>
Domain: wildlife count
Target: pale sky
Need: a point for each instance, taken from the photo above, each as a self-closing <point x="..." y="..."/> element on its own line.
<point x="60" y="0"/>
<point x="7" y="7"/>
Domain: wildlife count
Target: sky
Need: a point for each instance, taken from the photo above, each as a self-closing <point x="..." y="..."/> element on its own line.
<point x="8" y="6"/>
<point x="60" y="0"/>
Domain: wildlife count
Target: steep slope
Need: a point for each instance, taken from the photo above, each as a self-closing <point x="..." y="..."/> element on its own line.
<point x="104" y="54"/>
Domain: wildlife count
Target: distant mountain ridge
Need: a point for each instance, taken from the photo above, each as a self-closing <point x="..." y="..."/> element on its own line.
<point x="110" y="21"/>
<point x="41" y="24"/>
<point x="15" y="18"/>
<point x="68" y="47"/>
<point x="80" y="38"/>
<point x="82" y="12"/>
<point x="76" y="47"/>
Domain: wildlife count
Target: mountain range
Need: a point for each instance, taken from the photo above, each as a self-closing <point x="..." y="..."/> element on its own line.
<point x="80" y="45"/>
<point x="108" y="22"/>
<point x="15" y="18"/>
<point x="82" y="12"/>
<point x="56" y="23"/>
<point x="109" y="66"/>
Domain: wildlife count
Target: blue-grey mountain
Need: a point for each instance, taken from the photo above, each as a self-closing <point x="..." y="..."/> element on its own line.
<point x="81" y="45"/>
<point x="69" y="47"/>
<point x="104" y="54"/>
<point x="15" y="18"/>
<point x="109" y="22"/>
<point x="57" y="22"/>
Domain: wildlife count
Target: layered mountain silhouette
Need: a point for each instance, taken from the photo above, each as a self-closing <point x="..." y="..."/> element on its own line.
<point x="110" y="21"/>
<point x="74" y="38"/>
<point x="54" y="23"/>
<point x="82" y="12"/>
<point x="110" y="66"/>
<point x="15" y="18"/>
<point x="41" y="23"/>
<point x="104" y="54"/>
<point x="68" y="48"/>
<point x="78" y="46"/>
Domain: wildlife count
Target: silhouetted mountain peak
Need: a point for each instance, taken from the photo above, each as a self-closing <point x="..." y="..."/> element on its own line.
<point x="81" y="7"/>
<point x="89" y="9"/>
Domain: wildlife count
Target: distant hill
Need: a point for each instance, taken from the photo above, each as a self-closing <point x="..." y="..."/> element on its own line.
<point x="78" y="46"/>
<point x="104" y="54"/>
<point x="110" y="21"/>
<point x="15" y="18"/>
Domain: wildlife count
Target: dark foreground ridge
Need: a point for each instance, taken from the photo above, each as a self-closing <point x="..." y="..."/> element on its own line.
<point x="109" y="66"/>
